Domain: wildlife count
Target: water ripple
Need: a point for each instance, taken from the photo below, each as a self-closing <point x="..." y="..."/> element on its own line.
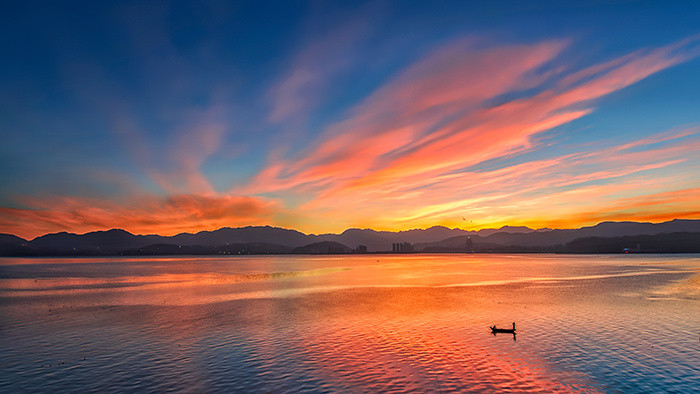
<point x="595" y="333"/>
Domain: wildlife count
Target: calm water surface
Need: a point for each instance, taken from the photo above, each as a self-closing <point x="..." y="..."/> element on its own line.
<point x="351" y="323"/>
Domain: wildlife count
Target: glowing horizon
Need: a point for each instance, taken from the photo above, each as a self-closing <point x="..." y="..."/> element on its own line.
<point x="346" y="119"/>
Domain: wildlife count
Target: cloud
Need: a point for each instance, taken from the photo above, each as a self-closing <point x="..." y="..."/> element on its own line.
<point x="141" y="215"/>
<point x="175" y="163"/>
<point x="459" y="133"/>
<point x="534" y="191"/>
<point x="329" y="55"/>
<point x="648" y="206"/>
<point x="405" y="149"/>
<point x="402" y="114"/>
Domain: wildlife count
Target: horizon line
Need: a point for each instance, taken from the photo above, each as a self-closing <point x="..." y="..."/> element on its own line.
<point x="350" y="228"/>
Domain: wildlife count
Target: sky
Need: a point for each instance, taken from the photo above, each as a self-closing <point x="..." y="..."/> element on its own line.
<point x="170" y="117"/>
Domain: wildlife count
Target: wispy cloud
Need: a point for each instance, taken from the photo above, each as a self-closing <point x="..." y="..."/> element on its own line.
<point x="324" y="58"/>
<point x="409" y="143"/>
<point x="175" y="165"/>
<point x="400" y="118"/>
<point x="533" y="191"/>
<point x="449" y="140"/>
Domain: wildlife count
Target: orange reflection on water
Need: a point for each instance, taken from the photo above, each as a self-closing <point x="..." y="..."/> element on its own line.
<point x="371" y="323"/>
<point x="418" y="340"/>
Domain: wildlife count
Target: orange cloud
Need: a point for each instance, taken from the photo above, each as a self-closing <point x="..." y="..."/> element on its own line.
<point x="402" y="158"/>
<point x="435" y="117"/>
<point x="400" y="115"/>
<point x="445" y="142"/>
<point x="654" y="207"/>
<point x="538" y="193"/>
<point x="144" y="215"/>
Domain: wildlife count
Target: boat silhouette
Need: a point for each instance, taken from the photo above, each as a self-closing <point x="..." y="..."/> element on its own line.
<point x="494" y="329"/>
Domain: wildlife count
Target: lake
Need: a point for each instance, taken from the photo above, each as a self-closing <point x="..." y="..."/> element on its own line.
<point x="360" y="323"/>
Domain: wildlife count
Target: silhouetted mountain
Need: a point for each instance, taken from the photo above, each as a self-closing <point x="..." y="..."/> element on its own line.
<point x="230" y="249"/>
<point x="605" y="229"/>
<point x="250" y="234"/>
<point x="324" y="247"/>
<point x="12" y="245"/>
<point x="266" y="239"/>
<point x="11" y="240"/>
<point x="375" y="240"/>
<point x="100" y="242"/>
<point x="97" y="242"/>
<point x="382" y="240"/>
<point x="505" y="229"/>
<point x="430" y="234"/>
<point x="682" y="242"/>
<point x="460" y="243"/>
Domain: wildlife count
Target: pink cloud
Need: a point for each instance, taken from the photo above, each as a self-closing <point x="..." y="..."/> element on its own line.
<point x="400" y="116"/>
<point x="435" y="117"/>
<point x="407" y="155"/>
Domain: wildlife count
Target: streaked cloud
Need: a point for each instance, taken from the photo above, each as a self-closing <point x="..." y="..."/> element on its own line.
<point x="321" y="60"/>
<point x="175" y="165"/>
<point x="540" y="193"/>
<point x="468" y="135"/>
<point x="399" y="118"/>
<point x="410" y="144"/>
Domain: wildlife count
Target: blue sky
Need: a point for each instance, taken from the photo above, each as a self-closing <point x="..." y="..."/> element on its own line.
<point x="114" y="103"/>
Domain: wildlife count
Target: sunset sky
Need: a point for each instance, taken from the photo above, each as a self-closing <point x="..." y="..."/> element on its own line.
<point x="160" y="117"/>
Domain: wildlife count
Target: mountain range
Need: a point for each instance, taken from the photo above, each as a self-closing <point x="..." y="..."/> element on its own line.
<point x="266" y="239"/>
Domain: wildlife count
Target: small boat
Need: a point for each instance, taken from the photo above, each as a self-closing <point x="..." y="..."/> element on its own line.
<point x="494" y="329"/>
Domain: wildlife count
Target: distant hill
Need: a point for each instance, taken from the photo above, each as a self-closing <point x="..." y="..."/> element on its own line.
<point x="459" y="243"/>
<point x="382" y="240"/>
<point x="678" y="242"/>
<point x="605" y="229"/>
<point x="9" y="239"/>
<point x="230" y="249"/>
<point x="506" y="229"/>
<point x="682" y="242"/>
<point x="374" y="240"/>
<point x="98" y="242"/>
<point x="266" y="239"/>
<point x="11" y="245"/>
<point x="250" y="234"/>
<point x="324" y="247"/>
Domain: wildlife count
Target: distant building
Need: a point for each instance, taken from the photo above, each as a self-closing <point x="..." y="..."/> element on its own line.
<point x="361" y="249"/>
<point x="402" y="247"/>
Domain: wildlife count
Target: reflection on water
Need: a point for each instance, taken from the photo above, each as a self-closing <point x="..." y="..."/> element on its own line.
<point x="503" y="333"/>
<point x="351" y="323"/>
